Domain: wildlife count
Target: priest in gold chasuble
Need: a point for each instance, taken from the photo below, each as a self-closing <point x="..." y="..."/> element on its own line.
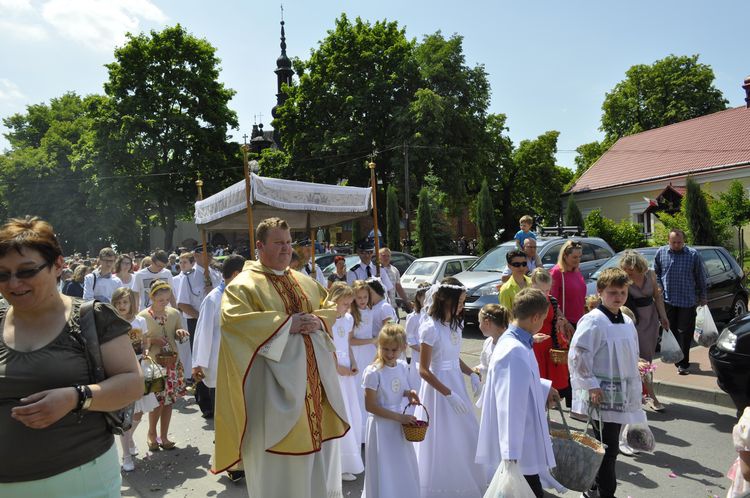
<point x="279" y="408"/>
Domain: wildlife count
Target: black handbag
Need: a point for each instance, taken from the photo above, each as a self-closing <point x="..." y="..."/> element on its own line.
<point x="118" y="421"/>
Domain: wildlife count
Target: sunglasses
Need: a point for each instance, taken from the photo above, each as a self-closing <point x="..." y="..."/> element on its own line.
<point x="23" y="274"/>
<point x="519" y="264"/>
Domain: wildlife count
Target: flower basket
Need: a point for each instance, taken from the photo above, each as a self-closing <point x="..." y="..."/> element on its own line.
<point x="416" y="432"/>
<point x="167" y="359"/>
<point x="578" y="456"/>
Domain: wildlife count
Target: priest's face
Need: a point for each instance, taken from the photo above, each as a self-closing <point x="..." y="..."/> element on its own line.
<point x="276" y="251"/>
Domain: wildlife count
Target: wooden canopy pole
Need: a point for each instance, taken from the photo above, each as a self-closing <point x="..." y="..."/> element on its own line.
<point x="374" y="188"/>
<point x="311" y="231"/>
<point x="206" y="271"/>
<point x="250" y="224"/>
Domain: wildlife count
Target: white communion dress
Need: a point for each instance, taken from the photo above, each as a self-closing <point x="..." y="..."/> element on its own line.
<point x="363" y="355"/>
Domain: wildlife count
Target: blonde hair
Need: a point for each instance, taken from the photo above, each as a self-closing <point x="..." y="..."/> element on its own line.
<point x="80" y="273"/>
<point x="339" y="290"/>
<point x="614" y="277"/>
<point x="497" y="314"/>
<point x="529" y="302"/>
<point x="541" y="276"/>
<point x="357" y="286"/>
<point x="126" y="292"/>
<point x="633" y="259"/>
<point x="628" y="312"/>
<point x="592" y="301"/>
<point x="526" y="219"/>
<point x="390" y="333"/>
<point x="565" y="250"/>
<point x="265" y="226"/>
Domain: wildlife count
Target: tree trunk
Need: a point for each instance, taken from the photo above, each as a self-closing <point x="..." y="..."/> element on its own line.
<point x="509" y="222"/>
<point x="169" y="228"/>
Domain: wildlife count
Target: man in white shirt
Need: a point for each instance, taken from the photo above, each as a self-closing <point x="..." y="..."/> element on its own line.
<point x="208" y="336"/>
<point x="395" y="277"/>
<point x="306" y="268"/>
<point x="101" y="283"/>
<point x="145" y="276"/>
<point x="366" y="268"/>
<point x="186" y="262"/>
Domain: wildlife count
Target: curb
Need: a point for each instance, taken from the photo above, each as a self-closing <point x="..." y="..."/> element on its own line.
<point x="692" y="393"/>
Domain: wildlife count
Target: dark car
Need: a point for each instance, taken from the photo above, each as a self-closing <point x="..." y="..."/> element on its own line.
<point x="730" y="360"/>
<point x="727" y="294"/>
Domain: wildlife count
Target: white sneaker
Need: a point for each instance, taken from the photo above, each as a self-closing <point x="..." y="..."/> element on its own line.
<point x="347" y="476"/>
<point x="127" y="463"/>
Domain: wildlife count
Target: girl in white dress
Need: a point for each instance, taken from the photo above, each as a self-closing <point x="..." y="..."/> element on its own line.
<point x="493" y="321"/>
<point x="362" y="341"/>
<point x="382" y="311"/>
<point x="446" y="456"/>
<point x="391" y="464"/>
<point x="412" y="332"/>
<point x="123" y="300"/>
<point x="351" y="457"/>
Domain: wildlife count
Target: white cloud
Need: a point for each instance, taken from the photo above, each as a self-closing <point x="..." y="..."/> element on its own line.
<point x="23" y="30"/>
<point x="14" y="6"/>
<point x="100" y="24"/>
<point x="9" y="92"/>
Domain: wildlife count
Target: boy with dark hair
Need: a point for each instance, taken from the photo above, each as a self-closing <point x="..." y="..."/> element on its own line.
<point x="514" y="426"/>
<point x="102" y="282"/>
<point x="518" y="280"/>
<point x="156" y="270"/>
<point x="603" y="362"/>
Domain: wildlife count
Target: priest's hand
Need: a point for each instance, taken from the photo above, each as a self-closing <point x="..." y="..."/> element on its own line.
<point x="457" y="403"/>
<point x="304" y="323"/>
<point x="553" y="398"/>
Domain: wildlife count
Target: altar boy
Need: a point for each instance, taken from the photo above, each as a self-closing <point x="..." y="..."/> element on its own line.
<point x="514" y="425"/>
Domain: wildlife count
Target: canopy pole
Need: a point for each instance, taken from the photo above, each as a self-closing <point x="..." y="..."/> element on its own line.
<point x="206" y="271"/>
<point x="311" y="231"/>
<point x="250" y="223"/>
<point x="374" y="188"/>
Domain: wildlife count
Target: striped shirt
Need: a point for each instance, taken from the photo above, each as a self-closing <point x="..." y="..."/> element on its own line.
<point x="681" y="275"/>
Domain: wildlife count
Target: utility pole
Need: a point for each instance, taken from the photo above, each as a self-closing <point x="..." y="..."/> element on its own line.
<point x="406" y="196"/>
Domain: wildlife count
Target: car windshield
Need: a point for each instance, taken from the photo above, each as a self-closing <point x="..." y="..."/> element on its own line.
<point x="493" y="260"/>
<point x="422" y="268"/>
<point x="615" y="261"/>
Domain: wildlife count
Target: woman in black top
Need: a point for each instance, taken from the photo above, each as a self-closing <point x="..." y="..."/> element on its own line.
<point x="74" y="286"/>
<point x="339" y="275"/>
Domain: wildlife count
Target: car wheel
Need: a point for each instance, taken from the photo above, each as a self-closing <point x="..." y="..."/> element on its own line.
<point x="739" y="307"/>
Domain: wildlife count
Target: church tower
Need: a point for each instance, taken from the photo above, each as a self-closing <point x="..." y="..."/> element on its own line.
<point x="284" y="73"/>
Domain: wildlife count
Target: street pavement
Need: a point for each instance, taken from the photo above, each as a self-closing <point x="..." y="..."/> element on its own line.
<point x="694" y="450"/>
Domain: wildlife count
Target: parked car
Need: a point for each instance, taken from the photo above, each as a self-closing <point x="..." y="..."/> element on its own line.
<point x="730" y="359"/>
<point x="727" y="294"/>
<point x="482" y="279"/>
<point x="431" y="270"/>
<point x="325" y="259"/>
<point x="400" y="260"/>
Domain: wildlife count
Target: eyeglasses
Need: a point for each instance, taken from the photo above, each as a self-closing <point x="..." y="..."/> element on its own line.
<point x="519" y="264"/>
<point x="23" y="274"/>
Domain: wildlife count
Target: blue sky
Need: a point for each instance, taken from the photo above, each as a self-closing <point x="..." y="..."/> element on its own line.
<point x="550" y="63"/>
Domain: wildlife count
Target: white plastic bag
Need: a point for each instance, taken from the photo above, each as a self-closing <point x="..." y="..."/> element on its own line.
<point x="670" y="348"/>
<point x="639" y="437"/>
<point x="508" y="482"/>
<point x="706" y="334"/>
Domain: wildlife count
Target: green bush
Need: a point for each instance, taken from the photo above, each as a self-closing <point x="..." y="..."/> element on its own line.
<point x="622" y="235"/>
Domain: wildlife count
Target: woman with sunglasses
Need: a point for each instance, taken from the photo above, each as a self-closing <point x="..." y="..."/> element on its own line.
<point x="55" y="438"/>
<point x="518" y="265"/>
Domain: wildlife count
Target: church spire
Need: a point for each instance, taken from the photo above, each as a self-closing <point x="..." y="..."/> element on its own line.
<point x="284" y="73"/>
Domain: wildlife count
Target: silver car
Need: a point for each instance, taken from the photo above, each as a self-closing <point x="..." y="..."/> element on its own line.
<point x="484" y="276"/>
<point x="431" y="270"/>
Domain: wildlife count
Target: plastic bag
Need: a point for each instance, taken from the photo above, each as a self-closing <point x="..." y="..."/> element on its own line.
<point x="706" y="334"/>
<point x="508" y="482"/>
<point x="639" y="437"/>
<point x="670" y="349"/>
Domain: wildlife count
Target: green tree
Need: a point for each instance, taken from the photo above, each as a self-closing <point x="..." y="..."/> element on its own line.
<point x="393" y="225"/>
<point x="698" y="216"/>
<point x="668" y="91"/>
<point x="426" y="244"/>
<point x="485" y="219"/>
<point x="621" y="236"/>
<point x="573" y="215"/>
<point x="167" y="121"/>
<point x="734" y="207"/>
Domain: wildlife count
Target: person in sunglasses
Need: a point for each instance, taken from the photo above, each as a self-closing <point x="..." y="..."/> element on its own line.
<point x="532" y="259"/>
<point x="518" y="280"/>
<point x="55" y="440"/>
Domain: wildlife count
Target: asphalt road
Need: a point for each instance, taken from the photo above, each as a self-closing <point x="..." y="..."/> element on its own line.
<point x="693" y="452"/>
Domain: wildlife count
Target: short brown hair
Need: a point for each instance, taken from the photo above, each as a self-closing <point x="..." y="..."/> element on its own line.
<point x="614" y="277"/>
<point x="107" y="252"/>
<point x="188" y="255"/>
<point x="529" y="302"/>
<point x="261" y="233"/>
<point x="526" y="219"/>
<point x="497" y="314"/>
<point x="30" y="233"/>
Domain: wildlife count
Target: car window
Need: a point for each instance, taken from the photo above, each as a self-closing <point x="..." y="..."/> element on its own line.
<point x="452" y="268"/>
<point x="712" y="260"/>
<point x="401" y="261"/>
<point x="588" y="253"/>
<point x="421" y="268"/>
<point x="494" y="259"/>
<point x="727" y="262"/>
<point x="550" y="255"/>
<point x="467" y="263"/>
<point x="601" y="252"/>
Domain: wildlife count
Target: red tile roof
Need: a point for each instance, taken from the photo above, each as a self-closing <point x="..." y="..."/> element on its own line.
<point x="721" y="139"/>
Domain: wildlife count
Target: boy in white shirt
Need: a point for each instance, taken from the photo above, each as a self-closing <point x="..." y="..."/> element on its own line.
<point x="101" y="283"/>
<point x="143" y="278"/>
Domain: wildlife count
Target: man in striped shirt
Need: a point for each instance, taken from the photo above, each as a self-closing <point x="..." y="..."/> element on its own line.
<point x="682" y="277"/>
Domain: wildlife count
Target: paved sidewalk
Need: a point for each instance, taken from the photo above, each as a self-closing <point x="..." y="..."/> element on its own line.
<point x="700" y="386"/>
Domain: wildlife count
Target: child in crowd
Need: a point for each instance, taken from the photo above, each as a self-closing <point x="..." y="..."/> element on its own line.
<point x="363" y="340"/>
<point x="493" y="320"/>
<point x="446" y="455"/>
<point x="514" y="426"/>
<point x="592" y="302"/>
<point x="124" y="301"/>
<point x="525" y="232"/>
<point x="382" y="311"/>
<point x="390" y="461"/>
<point x="553" y="338"/>
<point x="351" y="458"/>
<point x="413" y="320"/>
<point x="603" y="363"/>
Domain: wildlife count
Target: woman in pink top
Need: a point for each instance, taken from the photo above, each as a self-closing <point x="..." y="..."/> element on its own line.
<point x="569" y="288"/>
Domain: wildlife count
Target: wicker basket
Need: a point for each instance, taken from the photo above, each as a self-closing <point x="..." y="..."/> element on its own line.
<point x="578" y="457"/>
<point x="416" y="433"/>
<point x="559" y="356"/>
<point x="153" y="384"/>
<point x="167" y="359"/>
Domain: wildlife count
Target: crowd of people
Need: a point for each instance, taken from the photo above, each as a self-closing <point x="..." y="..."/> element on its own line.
<point x="302" y="373"/>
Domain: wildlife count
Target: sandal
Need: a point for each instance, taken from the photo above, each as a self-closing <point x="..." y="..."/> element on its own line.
<point x="169" y="445"/>
<point x="656" y="405"/>
<point x="152" y="445"/>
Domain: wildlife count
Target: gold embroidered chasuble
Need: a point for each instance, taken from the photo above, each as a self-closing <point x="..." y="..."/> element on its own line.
<point x="260" y="394"/>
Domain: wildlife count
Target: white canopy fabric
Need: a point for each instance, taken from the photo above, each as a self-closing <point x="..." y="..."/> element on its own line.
<point x="287" y="199"/>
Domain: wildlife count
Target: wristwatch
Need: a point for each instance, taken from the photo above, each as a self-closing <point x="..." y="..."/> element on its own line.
<point x="84" y="397"/>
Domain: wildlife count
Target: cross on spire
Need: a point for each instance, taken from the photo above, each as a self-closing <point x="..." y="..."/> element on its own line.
<point x="244" y="137"/>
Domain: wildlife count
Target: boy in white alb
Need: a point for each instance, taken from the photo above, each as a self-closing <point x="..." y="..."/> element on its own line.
<point x="156" y="271"/>
<point x="514" y="425"/>
<point x="493" y="321"/>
